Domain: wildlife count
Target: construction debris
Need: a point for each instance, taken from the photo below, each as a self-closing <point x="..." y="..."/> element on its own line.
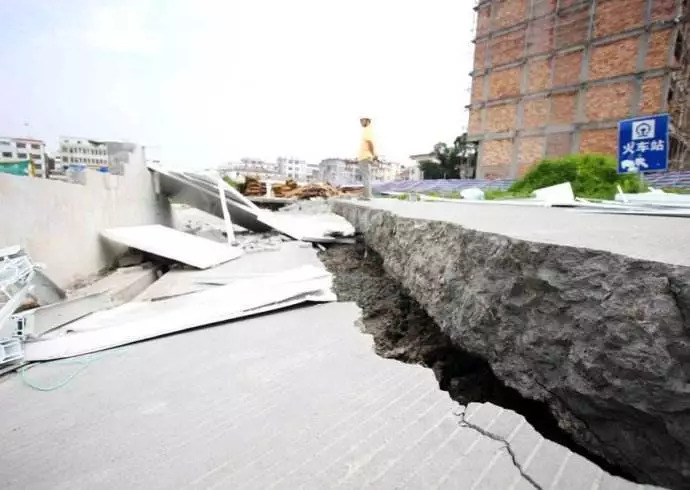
<point x="16" y="275"/>
<point x="472" y="194"/>
<point x="167" y="242"/>
<point x="203" y="194"/>
<point x="10" y="351"/>
<point x="31" y="324"/>
<point x="137" y="321"/>
<point x="312" y="190"/>
<point x="556" y="194"/>
<point x="253" y="187"/>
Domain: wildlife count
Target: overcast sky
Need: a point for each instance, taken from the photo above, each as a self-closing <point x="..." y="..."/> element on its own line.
<point x="208" y="81"/>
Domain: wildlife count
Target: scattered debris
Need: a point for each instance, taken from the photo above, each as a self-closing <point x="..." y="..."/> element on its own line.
<point x="10" y="351"/>
<point x="16" y="274"/>
<point x="121" y="285"/>
<point x="137" y="321"/>
<point x="253" y="187"/>
<point x="33" y="323"/>
<point x="203" y="194"/>
<point x="167" y="242"/>
<point x="556" y="194"/>
<point x="472" y="194"/>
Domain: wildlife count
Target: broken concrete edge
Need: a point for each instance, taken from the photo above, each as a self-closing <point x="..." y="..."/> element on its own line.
<point x="546" y="318"/>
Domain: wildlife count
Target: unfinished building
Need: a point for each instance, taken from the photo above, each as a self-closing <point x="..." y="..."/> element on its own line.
<point x="554" y="77"/>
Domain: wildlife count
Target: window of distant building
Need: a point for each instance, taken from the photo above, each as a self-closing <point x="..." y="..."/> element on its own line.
<point x="35" y="146"/>
<point x="21" y="145"/>
<point x="4" y="143"/>
<point x="35" y="156"/>
<point x="21" y="155"/>
<point x="7" y="154"/>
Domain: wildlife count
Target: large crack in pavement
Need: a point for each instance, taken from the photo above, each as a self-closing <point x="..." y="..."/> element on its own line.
<point x="402" y="330"/>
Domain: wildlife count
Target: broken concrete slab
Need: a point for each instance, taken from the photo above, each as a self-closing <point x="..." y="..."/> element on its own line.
<point x="116" y="288"/>
<point x="319" y="228"/>
<point x="45" y="290"/>
<point x="133" y="322"/>
<point x="178" y="281"/>
<point x="287" y="400"/>
<point x="121" y="285"/>
<point x="33" y="323"/>
<point x="594" y="322"/>
<point x="172" y="244"/>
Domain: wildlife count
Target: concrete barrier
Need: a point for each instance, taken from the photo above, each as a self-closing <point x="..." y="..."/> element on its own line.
<point x="59" y="223"/>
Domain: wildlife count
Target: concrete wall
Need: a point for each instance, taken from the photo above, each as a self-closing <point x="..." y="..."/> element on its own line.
<point x="554" y="77"/>
<point x="59" y="223"/>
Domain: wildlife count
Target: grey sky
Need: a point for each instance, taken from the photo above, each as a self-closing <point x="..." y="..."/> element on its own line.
<point x="206" y="81"/>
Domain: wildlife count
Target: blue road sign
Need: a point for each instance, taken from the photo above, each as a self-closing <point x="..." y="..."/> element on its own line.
<point x="643" y="144"/>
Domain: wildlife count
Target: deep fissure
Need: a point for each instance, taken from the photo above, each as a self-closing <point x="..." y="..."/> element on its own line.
<point x="403" y="331"/>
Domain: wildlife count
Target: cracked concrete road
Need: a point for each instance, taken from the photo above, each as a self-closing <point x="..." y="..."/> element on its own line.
<point x="296" y="399"/>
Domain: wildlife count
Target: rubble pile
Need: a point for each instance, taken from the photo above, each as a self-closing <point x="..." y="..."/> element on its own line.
<point x="313" y="190"/>
<point x="280" y="190"/>
<point x="292" y="190"/>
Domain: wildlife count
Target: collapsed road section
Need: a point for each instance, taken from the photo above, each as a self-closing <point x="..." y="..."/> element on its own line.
<point x="586" y="313"/>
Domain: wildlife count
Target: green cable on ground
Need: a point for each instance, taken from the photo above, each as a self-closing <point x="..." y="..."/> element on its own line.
<point x="83" y="362"/>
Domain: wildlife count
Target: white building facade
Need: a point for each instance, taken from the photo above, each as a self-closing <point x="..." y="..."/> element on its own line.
<point x="413" y="172"/>
<point x="299" y="170"/>
<point x="339" y="171"/>
<point x="252" y="167"/>
<point x="83" y="151"/>
<point x="14" y="149"/>
<point x="386" y="171"/>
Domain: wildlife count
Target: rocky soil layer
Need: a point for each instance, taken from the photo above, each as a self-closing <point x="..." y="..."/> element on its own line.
<point x="602" y="339"/>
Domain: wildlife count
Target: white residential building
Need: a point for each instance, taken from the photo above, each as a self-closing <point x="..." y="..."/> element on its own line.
<point x="412" y="172"/>
<point x="339" y="171"/>
<point x="386" y="171"/>
<point x="252" y="167"/>
<point x="12" y="149"/>
<point x="83" y="151"/>
<point x="299" y="170"/>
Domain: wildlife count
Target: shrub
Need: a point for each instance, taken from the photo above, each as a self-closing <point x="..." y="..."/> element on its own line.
<point x="236" y="185"/>
<point x="592" y="176"/>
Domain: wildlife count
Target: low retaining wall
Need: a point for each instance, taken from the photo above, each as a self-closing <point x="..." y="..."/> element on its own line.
<point x="603" y="339"/>
<point x="59" y="223"/>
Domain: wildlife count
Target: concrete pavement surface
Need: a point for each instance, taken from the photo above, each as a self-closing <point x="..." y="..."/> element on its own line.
<point x="654" y="238"/>
<point x="296" y="399"/>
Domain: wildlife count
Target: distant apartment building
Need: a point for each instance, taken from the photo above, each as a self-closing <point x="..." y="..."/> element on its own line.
<point x="299" y="170"/>
<point x="252" y="167"/>
<point x="24" y="149"/>
<point x="83" y="151"/>
<point x="386" y="171"/>
<point x="553" y="77"/>
<point x="411" y="172"/>
<point x="339" y="171"/>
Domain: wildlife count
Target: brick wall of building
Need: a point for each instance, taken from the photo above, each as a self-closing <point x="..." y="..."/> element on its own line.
<point x="555" y="77"/>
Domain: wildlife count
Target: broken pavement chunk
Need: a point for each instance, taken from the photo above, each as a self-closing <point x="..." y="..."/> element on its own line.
<point x="172" y="244"/>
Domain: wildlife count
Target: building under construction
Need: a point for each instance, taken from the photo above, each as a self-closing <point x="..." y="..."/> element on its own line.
<point x="554" y="77"/>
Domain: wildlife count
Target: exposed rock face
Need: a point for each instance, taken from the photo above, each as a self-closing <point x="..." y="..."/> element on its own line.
<point x="603" y="339"/>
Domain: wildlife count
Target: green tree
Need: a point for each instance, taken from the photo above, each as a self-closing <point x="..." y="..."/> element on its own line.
<point x="455" y="161"/>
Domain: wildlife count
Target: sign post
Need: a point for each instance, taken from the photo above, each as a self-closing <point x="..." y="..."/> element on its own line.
<point x="643" y="145"/>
